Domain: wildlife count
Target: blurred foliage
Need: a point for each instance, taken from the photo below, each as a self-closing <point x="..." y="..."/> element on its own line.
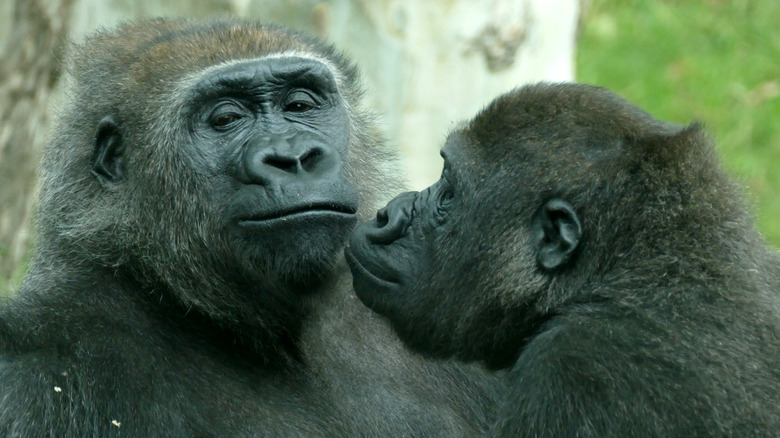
<point x="716" y="61"/>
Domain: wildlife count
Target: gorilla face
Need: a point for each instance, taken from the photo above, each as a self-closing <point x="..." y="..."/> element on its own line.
<point x="275" y="134"/>
<point x="223" y="164"/>
<point x="260" y="180"/>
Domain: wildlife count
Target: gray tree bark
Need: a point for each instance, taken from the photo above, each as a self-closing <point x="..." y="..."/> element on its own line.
<point x="31" y="44"/>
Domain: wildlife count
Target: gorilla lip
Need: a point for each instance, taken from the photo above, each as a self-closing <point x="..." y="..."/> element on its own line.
<point x="356" y="264"/>
<point x="302" y="210"/>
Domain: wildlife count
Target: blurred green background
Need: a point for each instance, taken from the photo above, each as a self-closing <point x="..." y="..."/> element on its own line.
<point x="716" y="61"/>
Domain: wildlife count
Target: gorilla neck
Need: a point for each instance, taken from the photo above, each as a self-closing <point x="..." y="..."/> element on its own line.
<point x="265" y="321"/>
<point x="261" y="321"/>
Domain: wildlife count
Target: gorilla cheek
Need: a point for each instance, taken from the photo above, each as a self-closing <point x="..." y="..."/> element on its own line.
<point x="369" y="286"/>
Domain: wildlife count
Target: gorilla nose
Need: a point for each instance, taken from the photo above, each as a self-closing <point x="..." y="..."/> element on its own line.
<point x="393" y="220"/>
<point x="278" y="159"/>
<point x="291" y="161"/>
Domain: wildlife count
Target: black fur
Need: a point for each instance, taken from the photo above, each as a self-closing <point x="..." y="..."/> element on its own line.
<point x="188" y="279"/>
<point x="601" y="256"/>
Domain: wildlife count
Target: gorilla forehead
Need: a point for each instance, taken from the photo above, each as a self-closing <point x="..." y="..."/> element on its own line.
<point x="586" y="109"/>
<point x="162" y="52"/>
<point x="553" y="124"/>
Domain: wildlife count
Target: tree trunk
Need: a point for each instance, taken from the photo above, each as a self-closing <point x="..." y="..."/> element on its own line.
<point x="33" y="36"/>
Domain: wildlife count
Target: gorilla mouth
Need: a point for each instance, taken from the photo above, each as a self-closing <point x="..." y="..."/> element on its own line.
<point x="360" y="269"/>
<point x="326" y="208"/>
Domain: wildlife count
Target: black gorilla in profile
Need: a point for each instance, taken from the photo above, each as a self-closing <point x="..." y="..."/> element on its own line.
<point x="198" y="191"/>
<point x="602" y="256"/>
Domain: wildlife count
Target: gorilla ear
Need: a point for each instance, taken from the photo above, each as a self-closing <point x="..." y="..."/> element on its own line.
<point x="676" y="144"/>
<point x="557" y="233"/>
<point x="107" y="152"/>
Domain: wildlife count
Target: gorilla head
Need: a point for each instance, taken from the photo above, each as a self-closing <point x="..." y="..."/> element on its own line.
<point x="211" y="170"/>
<point x="601" y="254"/>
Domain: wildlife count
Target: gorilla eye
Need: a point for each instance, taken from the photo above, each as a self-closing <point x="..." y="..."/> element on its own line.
<point x="446" y="192"/>
<point x="298" y="107"/>
<point x="446" y="196"/>
<point x="299" y="102"/>
<point x="225" y="115"/>
<point x="222" y="120"/>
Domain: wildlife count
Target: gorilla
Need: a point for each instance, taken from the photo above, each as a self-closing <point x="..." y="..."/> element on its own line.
<point x="600" y="256"/>
<point x="197" y="193"/>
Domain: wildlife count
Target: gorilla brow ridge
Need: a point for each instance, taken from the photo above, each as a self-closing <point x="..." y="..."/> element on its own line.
<point x="188" y="81"/>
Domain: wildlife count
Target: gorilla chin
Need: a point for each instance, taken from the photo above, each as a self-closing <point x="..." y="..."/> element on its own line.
<point x="298" y="263"/>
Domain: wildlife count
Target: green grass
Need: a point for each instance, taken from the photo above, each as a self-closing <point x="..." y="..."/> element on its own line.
<point x="716" y="61"/>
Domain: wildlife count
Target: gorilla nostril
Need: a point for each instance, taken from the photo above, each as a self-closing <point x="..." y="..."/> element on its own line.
<point x="391" y="224"/>
<point x="394" y="219"/>
<point x="310" y="159"/>
<point x="381" y="217"/>
<point x="286" y="164"/>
